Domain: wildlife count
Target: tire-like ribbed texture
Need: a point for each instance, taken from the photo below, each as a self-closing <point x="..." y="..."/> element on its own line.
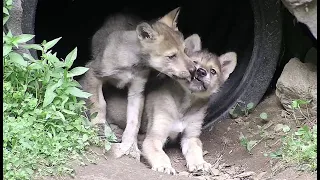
<point x="263" y="63"/>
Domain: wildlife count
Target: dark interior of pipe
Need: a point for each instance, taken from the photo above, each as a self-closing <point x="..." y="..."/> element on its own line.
<point x="223" y="26"/>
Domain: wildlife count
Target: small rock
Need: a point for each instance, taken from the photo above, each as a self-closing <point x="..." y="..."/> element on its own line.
<point x="297" y="81"/>
<point x="278" y="127"/>
<point x="245" y="174"/>
<point x="215" y="172"/>
<point x="184" y="173"/>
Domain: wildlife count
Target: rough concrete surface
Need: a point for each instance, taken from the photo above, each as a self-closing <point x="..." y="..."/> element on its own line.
<point x="305" y="11"/>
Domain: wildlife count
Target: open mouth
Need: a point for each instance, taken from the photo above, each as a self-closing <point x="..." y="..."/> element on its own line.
<point x="202" y="83"/>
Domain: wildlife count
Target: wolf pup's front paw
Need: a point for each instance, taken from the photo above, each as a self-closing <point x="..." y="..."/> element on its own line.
<point x="165" y="168"/>
<point x="120" y="149"/>
<point x="202" y="166"/>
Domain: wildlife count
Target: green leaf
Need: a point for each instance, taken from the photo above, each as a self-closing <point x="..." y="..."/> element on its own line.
<point x="5" y="19"/>
<point x="48" y="98"/>
<point x="28" y="56"/>
<point x="250" y="106"/>
<point x="285" y="128"/>
<point x="32" y="46"/>
<point x="6" y="49"/>
<point x="58" y="72"/>
<point x="5" y="10"/>
<point x="49" y="94"/>
<point x="233" y="113"/>
<point x="61" y="115"/>
<point x="243" y="140"/>
<point x="77" y="71"/>
<point x="294" y="105"/>
<point x="264" y="116"/>
<point x="18" y="59"/>
<point x="71" y="57"/>
<point x="24" y="38"/>
<point x="77" y="92"/>
<point x="85" y="137"/>
<point x="9" y="34"/>
<point x="68" y="112"/>
<point x="107" y="145"/>
<point x="35" y="66"/>
<point x="250" y="145"/>
<point x="9" y="2"/>
<point x="55" y="86"/>
<point x="55" y="61"/>
<point x="51" y="43"/>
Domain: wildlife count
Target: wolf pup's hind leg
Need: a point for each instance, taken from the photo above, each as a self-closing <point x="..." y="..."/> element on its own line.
<point x="93" y="85"/>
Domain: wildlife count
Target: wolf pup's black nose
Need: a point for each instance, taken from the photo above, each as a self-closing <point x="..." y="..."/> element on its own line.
<point x="201" y="72"/>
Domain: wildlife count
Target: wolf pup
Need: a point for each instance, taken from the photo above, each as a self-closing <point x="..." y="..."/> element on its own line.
<point x="123" y="50"/>
<point x="178" y="107"/>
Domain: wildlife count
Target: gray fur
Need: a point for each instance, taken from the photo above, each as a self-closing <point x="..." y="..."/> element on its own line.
<point x="177" y="107"/>
<point x="123" y="50"/>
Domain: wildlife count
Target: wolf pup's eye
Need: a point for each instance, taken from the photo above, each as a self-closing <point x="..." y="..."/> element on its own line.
<point x="172" y="56"/>
<point x="195" y="62"/>
<point x="213" y="72"/>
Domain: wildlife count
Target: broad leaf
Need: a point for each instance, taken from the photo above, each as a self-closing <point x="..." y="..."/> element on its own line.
<point x="51" y="43"/>
<point x="6" y="49"/>
<point x="77" y="92"/>
<point x="71" y="57"/>
<point x="23" y="38"/>
<point x="48" y="98"/>
<point x="32" y="46"/>
<point x="77" y="71"/>
<point x="18" y="59"/>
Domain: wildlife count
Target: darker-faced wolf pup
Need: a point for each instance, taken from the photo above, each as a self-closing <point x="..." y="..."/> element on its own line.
<point x="124" y="50"/>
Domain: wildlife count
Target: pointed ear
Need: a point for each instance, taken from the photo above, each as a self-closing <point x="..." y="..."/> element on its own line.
<point x="145" y="32"/>
<point x="193" y="43"/>
<point x="228" y="63"/>
<point x="171" y="19"/>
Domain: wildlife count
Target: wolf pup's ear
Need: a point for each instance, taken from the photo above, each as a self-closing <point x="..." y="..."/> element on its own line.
<point x="145" y="32"/>
<point x="228" y="63"/>
<point x="171" y="19"/>
<point x="193" y="43"/>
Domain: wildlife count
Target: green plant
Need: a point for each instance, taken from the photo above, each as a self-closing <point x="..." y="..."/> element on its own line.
<point x="300" y="148"/>
<point x="238" y="110"/>
<point x="263" y="116"/>
<point x="44" y="124"/>
<point x="248" y="144"/>
<point x="296" y="106"/>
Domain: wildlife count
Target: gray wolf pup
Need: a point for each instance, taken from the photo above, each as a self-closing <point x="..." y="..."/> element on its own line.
<point x="123" y="51"/>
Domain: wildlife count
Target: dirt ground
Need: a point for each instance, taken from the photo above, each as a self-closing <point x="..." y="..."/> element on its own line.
<point x="222" y="149"/>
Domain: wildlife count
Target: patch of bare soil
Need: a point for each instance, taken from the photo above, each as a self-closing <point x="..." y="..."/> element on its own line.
<point x="222" y="148"/>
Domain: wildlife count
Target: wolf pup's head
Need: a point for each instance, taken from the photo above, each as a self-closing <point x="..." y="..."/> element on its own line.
<point x="211" y="70"/>
<point x="164" y="46"/>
